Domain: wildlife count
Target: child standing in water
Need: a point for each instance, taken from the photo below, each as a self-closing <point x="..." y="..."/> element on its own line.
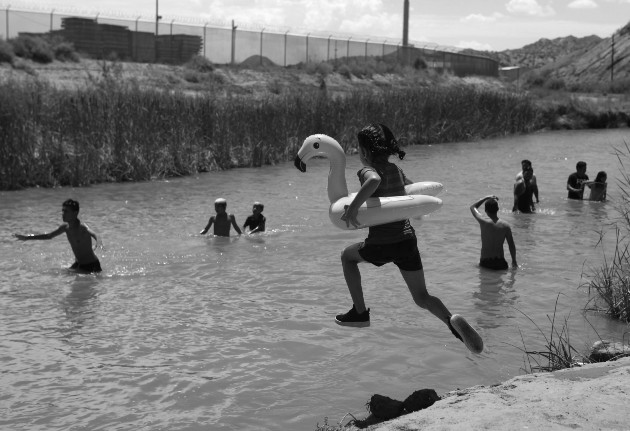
<point x="79" y="236"/>
<point x="256" y="221"/>
<point x="222" y="220"/>
<point x="598" y="187"/>
<point x="391" y="242"/>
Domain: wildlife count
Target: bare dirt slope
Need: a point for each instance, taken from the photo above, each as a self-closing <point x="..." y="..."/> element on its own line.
<point x="592" y="397"/>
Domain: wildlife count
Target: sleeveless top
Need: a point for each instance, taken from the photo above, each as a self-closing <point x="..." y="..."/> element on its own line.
<point x="392" y="184"/>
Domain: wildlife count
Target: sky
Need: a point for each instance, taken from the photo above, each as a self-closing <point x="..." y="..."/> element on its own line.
<point x="488" y="25"/>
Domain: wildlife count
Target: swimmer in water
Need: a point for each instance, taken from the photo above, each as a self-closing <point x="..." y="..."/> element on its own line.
<point x="494" y="232"/>
<point x="256" y="221"/>
<point x="79" y="236"/>
<point x="222" y="220"/>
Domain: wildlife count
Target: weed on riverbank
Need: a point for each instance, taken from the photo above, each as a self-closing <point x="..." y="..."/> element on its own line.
<point x="610" y="284"/>
<point x="558" y="352"/>
<point x="113" y="130"/>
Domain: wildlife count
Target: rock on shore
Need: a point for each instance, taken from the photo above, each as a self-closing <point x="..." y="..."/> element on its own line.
<point x="591" y="397"/>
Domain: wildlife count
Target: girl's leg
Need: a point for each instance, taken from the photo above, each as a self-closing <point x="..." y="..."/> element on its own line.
<point x="350" y="259"/>
<point x="417" y="287"/>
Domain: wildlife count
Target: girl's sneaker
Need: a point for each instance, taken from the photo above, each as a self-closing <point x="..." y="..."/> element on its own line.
<point x="462" y="330"/>
<point x="352" y="318"/>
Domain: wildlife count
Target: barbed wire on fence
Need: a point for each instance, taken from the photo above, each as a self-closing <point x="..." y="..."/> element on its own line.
<point x="62" y="9"/>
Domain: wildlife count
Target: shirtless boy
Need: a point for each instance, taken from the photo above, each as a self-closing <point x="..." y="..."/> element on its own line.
<point x="494" y="233"/>
<point x="222" y="221"/>
<point x="79" y="236"/>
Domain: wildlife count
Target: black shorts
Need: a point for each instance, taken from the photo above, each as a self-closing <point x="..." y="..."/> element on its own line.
<point x="405" y="254"/>
<point x="493" y="263"/>
<point x="87" y="267"/>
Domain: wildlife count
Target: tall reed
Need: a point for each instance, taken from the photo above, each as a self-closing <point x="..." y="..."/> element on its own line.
<point x="610" y="283"/>
<point x="113" y="130"/>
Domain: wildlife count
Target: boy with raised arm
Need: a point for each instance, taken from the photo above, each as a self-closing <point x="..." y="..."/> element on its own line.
<point x="494" y="232"/>
<point x="222" y="221"/>
<point x="79" y="236"/>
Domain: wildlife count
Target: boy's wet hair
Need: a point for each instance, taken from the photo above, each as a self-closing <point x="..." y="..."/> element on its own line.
<point x="492" y="206"/>
<point x="379" y="140"/>
<point x="259" y="205"/>
<point x="72" y="204"/>
<point x="221" y="202"/>
<point x="580" y="164"/>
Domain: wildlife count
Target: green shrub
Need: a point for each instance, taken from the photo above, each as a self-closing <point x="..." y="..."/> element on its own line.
<point x="6" y="52"/>
<point x="344" y="70"/>
<point x="199" y="63"/>
<point x="555" y="84"/>
<point x="64" y="51"/>
<point x="33" y="48"/>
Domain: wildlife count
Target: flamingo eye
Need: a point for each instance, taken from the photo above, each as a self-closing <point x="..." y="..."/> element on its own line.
<point x="316" y="145"/>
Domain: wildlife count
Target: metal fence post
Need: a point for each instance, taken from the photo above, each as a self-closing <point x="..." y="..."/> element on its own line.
<point x="261" y="46"/>
<point x="135" y="42"/>
<point x="234" y="27"/>
<point x="384" y="49"/>
<point x="205" y="43"/>
<point x="7" y="17"/>
<point x="328" y="53"/>
<point x="307" y="48"/>
<point x="285" y="48"/>
<point x="51" y="19"/>
<point x="366" y="46"/>
<point x="348" y="50"/>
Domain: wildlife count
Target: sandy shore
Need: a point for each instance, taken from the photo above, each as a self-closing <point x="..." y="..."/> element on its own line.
<point x="592" y="397"/>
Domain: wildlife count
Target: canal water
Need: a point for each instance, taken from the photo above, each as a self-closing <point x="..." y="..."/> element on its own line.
<point x="190" y="332"/>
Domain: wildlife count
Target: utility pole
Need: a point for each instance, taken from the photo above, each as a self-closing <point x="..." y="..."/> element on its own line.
<point x="612" y="58"/>
<point x="405" y="38"/>
<point x="157" y="21"/>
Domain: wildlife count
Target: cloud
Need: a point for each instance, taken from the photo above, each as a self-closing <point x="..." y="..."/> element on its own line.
<point x="583" y="4"/>
<point x="477" y="17"/>
<point x="474" y="45"/>
<point x="529" y="7"/>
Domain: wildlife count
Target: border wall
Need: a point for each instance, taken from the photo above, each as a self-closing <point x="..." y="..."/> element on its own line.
<point x="140" y="40"/>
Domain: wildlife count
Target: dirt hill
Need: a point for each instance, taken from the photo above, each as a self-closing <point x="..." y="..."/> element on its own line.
<point x="586" y="59"/>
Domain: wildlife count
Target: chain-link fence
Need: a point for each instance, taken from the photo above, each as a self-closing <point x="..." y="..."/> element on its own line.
<point x="170" y="42"/>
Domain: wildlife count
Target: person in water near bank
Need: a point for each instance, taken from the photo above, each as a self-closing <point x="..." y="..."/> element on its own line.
<point x="222" y="220"/>
<point x="394" y="242"/>
<point x="256" y="221"/>
<point x="523" y="193"/>
<point x="526" y="164"/>
<point x="494" y="232"/>
<point x="598" y="187"/>
<point x="79" y="236"/>
<point x="575" y="183"/>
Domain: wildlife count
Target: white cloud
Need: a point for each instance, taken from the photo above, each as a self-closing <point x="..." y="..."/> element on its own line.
<point x="387" y="25"/>
<point x="529" y="7"/>
<point x="583" y="4"/>
<point x="474" y="45"/>
<point x="477" y="17"/>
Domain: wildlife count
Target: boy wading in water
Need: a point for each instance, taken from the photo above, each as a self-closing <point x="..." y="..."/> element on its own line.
<point x="222" y="221"/>
<point x="391" y="242"/>
<point x="79" y="236"/>
<point x="494" y="233"/>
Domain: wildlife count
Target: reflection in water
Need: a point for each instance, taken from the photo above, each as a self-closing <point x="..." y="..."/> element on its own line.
<point x="79" y="304"/>
<point x="496" y="296"/>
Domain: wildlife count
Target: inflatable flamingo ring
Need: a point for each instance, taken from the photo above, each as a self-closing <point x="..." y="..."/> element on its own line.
<point x="419" y="200"/>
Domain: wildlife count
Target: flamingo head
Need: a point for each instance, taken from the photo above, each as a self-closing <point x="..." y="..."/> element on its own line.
<point x="319" y="145"/>
<point x="322" y="145"/>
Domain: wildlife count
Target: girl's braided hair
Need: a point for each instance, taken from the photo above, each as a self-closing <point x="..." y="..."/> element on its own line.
<point x="379" y="140"/>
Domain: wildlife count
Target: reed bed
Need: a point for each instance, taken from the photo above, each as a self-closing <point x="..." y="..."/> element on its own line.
<point x="558" y="353"/>
<point x="610" y="283"/>
<point x="115" y="131"/>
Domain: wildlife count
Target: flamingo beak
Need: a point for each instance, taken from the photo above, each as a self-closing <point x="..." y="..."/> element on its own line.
<point x="299" y="164"/>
